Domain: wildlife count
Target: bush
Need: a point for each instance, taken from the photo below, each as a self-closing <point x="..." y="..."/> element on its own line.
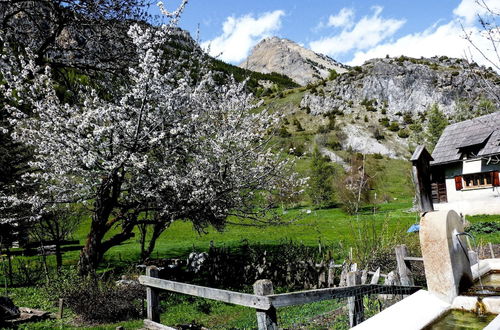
<point x="394" y="127"/>
<point x="97" y="300"/>
<point x="296" y="122"/>
<point x="486" y="227"/>
<point x="384" y="121"/>
<point x="403" y="134"/>
<point x="283" y="132"/>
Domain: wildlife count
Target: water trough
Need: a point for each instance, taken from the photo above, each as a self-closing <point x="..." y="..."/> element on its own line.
<point x="457" y="292"/>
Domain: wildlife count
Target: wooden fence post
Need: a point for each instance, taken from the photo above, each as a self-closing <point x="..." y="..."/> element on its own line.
<point x="153" y="302"/>
<point x="266" y="320"/>
<point x="404" y="268"/>
<point x="376" y="277"/>
<point x="491" y="250"/>
<point x="355" y="303"/>
<point x="331" y="274"/>
<point x="60" y="312"/>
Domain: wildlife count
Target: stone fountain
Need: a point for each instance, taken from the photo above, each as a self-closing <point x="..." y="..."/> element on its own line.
<point x="449" y="274"/>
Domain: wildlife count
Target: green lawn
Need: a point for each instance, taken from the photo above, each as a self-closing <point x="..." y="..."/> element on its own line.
<point x="383" y="224"/>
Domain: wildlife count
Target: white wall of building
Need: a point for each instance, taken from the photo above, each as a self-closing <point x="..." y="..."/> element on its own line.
<point x="470" y="201"/>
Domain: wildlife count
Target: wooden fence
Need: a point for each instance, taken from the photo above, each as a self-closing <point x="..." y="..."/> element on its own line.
<point x="264" y="301"/>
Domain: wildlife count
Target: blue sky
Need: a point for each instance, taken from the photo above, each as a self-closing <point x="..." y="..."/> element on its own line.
<point x="348" y="31"/>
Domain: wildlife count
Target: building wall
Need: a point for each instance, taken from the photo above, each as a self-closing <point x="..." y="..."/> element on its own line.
<point x="471" y="201"/>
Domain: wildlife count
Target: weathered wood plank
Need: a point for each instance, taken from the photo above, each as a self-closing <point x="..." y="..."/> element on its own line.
<point x="152" y="297"/>
<point x="404" y="269"/>
<point x="151" y="325"/>
<point x="266" y="320"/>
<point x="376" y="276"/>
<point x="304" y="297"/>
<point x="355" y="303"/>
<point x="236" y="298"/>
<point x="492" y="252"/>
<point x="414" y="259"/>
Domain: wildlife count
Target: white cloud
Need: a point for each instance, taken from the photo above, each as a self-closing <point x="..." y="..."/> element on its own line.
<point x="469" y="10"/>
<point x="343" y="18"/>
<point x="240" y="34"/>
<point x="439" y="39"/>
<point x="366" y="33"/>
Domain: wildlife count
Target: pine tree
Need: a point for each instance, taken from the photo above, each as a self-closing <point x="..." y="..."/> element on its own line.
<point x="321" y="180"/>
<point x="437" y="123"/>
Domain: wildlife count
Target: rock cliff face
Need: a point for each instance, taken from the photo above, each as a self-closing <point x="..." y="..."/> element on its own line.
<point x="406" y="85"/>
<point x="288" y="58"/>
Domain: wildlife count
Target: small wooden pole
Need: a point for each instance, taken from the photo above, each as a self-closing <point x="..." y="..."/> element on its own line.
<point x="421" y="177"/>
<point x="355" y="303"/>
<point x="491" y="250"/>
<point x="60" y="312"/>
<point x="364" y="276"/>
<point x="376" y="276"/>
<point x="404" y="268"/>
<point x="153" y="302"/>
<point x="343" y="275"/>
<point x="331" y="274"/>
<point x="266" y="320"/>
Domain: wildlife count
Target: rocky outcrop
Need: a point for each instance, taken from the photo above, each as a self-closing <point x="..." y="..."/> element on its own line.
<point x="288" y="58"/>
<point x="400" y="85"/>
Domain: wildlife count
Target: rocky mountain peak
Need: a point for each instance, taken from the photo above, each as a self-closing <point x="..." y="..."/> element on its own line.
<point x="284" y="56"/>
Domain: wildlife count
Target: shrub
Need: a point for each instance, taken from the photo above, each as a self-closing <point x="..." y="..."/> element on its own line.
<point x="394" y="127"/>
<point x="486" y="227"/>
<point x="296" y="122"/>
<point x="283" y="132"/>
<point x="97" y="300"/>
<point x="377" y="134"/>
<point x="332" y="75"/>
<point x="403" y="134"/>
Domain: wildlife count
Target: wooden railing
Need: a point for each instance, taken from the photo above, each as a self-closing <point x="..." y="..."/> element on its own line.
<point x="264" y="301"/>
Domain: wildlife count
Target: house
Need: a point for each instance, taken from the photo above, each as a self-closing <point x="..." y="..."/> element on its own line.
<point x="466" y="165"/>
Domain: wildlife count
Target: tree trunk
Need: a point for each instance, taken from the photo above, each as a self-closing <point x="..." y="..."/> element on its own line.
<point x="9" y="263"/>
<point x="143" y="229"/>
<point x="91" y="254"/>
<point x="158" y="229"/>
<point x="58" y="255"/>
<point x="106" y="201"/>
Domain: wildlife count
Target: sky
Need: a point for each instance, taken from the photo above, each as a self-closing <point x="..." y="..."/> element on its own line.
<point x="348" y="31"/>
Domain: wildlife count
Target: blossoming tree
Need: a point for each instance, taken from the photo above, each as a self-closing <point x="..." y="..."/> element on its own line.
<point x="162" y="143"/>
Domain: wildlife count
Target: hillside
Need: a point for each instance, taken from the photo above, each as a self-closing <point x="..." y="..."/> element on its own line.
<point x="407" y="85"/>
<point x="287" y="57"/>
<point x="381" y="107"/>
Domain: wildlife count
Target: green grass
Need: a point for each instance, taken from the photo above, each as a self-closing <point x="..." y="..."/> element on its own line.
<point x="332" y="227"/>
<point x="483" y="238"/>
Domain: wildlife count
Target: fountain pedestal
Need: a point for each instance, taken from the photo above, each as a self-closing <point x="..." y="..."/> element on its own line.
<point x="446" y="260"/>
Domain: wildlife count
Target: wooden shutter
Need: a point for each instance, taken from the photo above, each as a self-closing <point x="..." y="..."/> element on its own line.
<point x="495" y="179"/>
<point x="458" y="183"/>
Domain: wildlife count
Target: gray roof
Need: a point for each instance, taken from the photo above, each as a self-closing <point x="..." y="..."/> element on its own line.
<point x="477" y="131"/>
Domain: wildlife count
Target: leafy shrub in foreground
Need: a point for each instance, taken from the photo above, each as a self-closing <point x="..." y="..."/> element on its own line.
<point x="97" y="300"/>
<point x="486" y="227"/>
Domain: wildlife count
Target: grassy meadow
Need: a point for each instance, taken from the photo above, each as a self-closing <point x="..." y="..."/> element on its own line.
<point x="380" y="224"/>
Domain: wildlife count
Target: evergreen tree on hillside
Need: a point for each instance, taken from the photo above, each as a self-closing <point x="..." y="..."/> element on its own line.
<point x="321" y="180"/>
<point x="437" y="123"/>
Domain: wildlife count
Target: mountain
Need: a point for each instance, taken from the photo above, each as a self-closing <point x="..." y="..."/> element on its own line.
<point x="407" y="85"/>
<point x="381" y="107"/>
<point x="288" y="58"/>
